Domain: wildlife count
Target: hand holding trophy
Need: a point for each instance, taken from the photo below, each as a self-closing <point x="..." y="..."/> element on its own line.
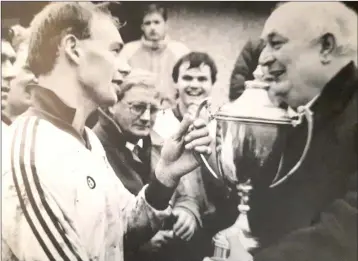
<point x="250" y="133"/>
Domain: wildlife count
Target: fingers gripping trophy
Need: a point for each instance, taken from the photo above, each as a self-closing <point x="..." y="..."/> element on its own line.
<point x="250" y="135"/>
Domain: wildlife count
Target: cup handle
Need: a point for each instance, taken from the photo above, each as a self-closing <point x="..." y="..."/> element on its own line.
<point x="309" y="116"/>
<point x="200" y="157"/>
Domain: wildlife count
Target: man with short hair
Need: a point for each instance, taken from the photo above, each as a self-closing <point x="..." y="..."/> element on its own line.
<point x="133" y="150"/>
<point x="61" y="198"/>
<point x="8" y="57"/>
<point x="19" y="98"/>
<point x="311" y="54"/>
<point x="195" y="75"/>
<point x="156" y="51"/>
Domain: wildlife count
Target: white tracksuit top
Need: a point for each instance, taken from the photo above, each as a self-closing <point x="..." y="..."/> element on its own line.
<point x="62" y="201"/>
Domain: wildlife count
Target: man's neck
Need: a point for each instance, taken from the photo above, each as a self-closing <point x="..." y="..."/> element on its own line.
<point x="8" y="112"/>
<point x="154" y="44"/>
<point x="71" y="93"/>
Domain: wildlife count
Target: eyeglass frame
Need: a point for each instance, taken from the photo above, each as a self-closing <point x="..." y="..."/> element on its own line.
<point x="147" y="106"/>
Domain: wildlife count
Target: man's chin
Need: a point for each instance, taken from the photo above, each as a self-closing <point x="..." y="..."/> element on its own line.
<point x="141" y="133"/>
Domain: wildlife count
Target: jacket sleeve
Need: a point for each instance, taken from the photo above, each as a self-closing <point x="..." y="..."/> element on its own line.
<point x="333" y="238"/>
<point x="35" y="224"/>
<point x="244" y="66"/>
<point x="143" y="215"/>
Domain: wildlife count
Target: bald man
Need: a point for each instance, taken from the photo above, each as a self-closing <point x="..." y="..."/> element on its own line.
<point x="311" y="53"/>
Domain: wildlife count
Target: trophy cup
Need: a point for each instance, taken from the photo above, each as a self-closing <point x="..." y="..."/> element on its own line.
<point x="251" y="133"/>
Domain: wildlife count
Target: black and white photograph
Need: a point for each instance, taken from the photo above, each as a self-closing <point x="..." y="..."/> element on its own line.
<point x="179" y="130"/>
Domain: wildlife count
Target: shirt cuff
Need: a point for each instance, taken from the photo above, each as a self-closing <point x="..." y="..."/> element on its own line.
<point x="158" y="195"/>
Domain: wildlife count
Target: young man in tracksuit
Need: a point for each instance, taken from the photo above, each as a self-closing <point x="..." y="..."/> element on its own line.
<point x="156" y="51"/>
<point x="61" y="199"/>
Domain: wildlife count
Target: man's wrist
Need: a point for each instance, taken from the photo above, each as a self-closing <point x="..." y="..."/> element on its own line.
<point x="162" y="173"/>
<point x="158" y="194"/>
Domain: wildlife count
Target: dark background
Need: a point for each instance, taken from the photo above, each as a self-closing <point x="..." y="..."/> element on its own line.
<point x="219" y="28"/>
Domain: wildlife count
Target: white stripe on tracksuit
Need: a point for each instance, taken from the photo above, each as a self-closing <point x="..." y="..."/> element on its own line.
<point x="44" y="224"/>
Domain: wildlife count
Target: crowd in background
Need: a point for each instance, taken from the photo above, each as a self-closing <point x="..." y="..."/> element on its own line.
<point x="159" y="80"/>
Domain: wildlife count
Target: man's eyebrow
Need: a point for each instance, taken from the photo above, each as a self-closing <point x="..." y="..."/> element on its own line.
<point x="276" y="34"/>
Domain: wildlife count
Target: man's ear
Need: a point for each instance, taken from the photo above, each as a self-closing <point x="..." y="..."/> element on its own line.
<point x="328" y="46"/>
<point x="72" y="48"/>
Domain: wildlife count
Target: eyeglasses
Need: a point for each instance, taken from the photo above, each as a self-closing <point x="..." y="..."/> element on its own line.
<point x="139" y="108"/>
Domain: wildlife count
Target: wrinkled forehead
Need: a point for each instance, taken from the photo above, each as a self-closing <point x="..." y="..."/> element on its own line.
<point x="286" y="23"/>
<point x="7" y="51"/>
<point x="202" y="70"/>
<point x="141" y="93"/>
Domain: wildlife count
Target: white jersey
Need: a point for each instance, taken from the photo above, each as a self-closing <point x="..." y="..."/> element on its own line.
<point x="62" y="201"/>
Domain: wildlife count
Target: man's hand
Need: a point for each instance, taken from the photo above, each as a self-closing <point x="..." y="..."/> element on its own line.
<point x="158" y="241"/>
<point x="185" y="224"/>
<point x="177" y="158"/>
<point x="237" y="251"/>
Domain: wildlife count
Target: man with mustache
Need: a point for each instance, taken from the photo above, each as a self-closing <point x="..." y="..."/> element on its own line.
<point x="60" y="196"/>
<point x="311" y="54"/>
<point x="156" y="51"/>
<point x="133" y="150"/>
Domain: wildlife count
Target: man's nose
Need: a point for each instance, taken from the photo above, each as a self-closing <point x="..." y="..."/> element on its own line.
<point x="266" y="58"/>
<point x="195" y="84"/>
<point x="8" y="71"/>
<point x="146" y="115"/>
<point x="123" y="67"/>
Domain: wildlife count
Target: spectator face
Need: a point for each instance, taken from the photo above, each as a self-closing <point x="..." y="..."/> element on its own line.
<point x="98" y="65"/>
<point x="194" y="84"/>
<point x="19" y="96"/>
<point x="135" y="113"/>
<point x="292" y="59"/>
<point x="154" y="27"/>
<point x="8" y="57"/>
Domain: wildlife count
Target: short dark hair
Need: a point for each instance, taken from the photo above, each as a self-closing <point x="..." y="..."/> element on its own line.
<point x="196" y="59"/>
<point x="155" y="8"/>
<point x="54" y="22"/>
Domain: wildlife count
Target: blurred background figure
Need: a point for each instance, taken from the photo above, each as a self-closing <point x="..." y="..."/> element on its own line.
<point x="245" y="66"/>
<point x="156" y="51"/>
<point x="8" y="57"/>
<point x="19" y="97"/>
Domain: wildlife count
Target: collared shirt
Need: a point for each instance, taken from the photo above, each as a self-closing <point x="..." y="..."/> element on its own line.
<point x="131" y="146"/>
<point x="293" y="113"/>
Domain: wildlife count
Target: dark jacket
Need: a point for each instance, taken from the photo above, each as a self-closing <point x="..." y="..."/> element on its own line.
<point x="312" y="216"/>
<point x="244" y="67"/>
<point x="134" y="175"/>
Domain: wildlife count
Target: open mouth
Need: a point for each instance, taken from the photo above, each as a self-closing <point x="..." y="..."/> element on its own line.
<point x="194" y="92"/>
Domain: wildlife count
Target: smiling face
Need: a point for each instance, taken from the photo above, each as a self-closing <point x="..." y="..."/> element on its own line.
<point x="136" y="112"/>
<point x="292" y="58"/>
<point x="98" y="66"/>
<point x="194" y="84"/>
<point x="154" y="27"/>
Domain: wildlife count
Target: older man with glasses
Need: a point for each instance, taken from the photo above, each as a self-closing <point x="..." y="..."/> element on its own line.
<point x="133" y="150"/>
